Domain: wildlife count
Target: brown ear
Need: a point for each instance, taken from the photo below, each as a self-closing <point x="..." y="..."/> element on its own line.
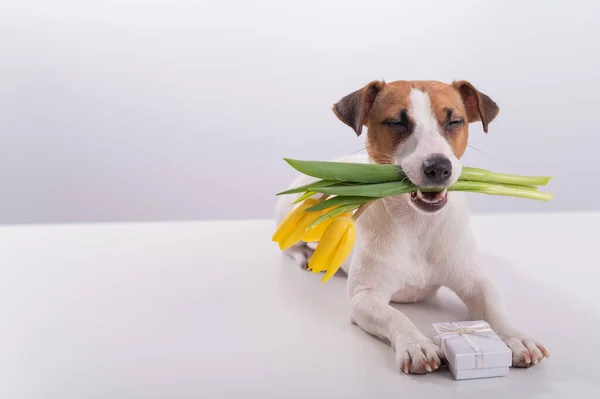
<point x="354" y="109"/>
<point x="479" y="106"/>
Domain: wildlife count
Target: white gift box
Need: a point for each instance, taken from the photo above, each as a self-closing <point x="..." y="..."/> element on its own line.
<point x="473" y="349"/>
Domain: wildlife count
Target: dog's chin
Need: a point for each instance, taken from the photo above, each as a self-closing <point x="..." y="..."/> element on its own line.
<point x="429" y="202"/>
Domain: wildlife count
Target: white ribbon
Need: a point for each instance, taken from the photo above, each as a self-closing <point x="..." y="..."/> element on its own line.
<point x="452" y="329"/>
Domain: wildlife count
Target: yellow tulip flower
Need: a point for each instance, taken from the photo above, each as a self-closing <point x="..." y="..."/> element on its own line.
<point x="334" y="247"/>
<point x="315" y="234"/>
<point x="293" y="227"/>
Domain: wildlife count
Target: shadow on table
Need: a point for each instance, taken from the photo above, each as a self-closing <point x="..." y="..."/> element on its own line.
<point x="556" y="320"/>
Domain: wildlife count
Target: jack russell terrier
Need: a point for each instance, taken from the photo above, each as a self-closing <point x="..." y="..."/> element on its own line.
<point x="410" y="245"/>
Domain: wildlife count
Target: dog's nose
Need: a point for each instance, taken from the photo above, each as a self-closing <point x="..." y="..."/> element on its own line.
<point x="437" y="169"/>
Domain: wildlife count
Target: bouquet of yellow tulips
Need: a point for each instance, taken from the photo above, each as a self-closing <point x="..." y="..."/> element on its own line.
<point x="347" y="189"/>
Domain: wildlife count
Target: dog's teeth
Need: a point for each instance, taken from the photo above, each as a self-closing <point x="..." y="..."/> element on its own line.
<point x="431" y="200"/>
<point x="444" y="192"/>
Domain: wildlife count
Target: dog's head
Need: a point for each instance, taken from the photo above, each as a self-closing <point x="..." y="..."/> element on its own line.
<point x="421" y="126"/>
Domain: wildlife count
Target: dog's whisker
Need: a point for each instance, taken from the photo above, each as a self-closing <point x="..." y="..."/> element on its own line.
<point x="385" y="157"/>
<point x="354" y="153"/>
<point x="480" y="151"/>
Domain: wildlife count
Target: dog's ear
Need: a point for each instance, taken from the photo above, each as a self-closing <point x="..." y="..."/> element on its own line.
<point x="479" y="106"/>
<point x="354" y="109"/>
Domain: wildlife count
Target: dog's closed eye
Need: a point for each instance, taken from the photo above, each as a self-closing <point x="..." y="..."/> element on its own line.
<point x="400" y="125"/>
<point x="452" y="120"/>
<point x="393" y="123"/>
<point x="455" y="123"/>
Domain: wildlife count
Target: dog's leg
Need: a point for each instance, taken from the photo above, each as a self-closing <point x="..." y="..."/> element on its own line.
<point x="484" y="303"/>
<point x="466" y="276"/>
<point x="370" y="293"/>
<point x="415" y="353"/>
<point x="300" y="253"/>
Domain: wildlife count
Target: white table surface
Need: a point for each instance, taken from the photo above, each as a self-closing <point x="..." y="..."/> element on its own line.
<point x="213" y="310"/>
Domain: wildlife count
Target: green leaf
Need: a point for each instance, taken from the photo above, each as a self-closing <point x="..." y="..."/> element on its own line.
<point x="339" y="201"/>
<point x="334" y="212"/>
<point x="379" y="190"/>
<point x="306" y="195"/>
<point x="307" y="187"/>
<point x="344" y="171"/>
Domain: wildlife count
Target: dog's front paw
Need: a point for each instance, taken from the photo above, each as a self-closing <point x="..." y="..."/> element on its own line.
<point x="525" y="351"/>
<point x="300" y="254"/>
<point x="419" y="356"/>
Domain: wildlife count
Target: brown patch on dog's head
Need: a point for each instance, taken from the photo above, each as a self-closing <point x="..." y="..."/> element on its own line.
<point x="448" y="108"/>
<point x="354" y="108"/>
<point x="479" y="107"/>
<point x="385" y="109"/>
<point x="389" y="123"/>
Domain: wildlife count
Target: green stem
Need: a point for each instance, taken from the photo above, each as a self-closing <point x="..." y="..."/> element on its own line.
<point x="382" y="190"/>
<point x="500" y="189"/>
<point x="482" y="175"/>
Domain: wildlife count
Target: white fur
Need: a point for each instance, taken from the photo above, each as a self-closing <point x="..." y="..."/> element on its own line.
<point x="425" y="141"/>
<point x="403" y="255"/>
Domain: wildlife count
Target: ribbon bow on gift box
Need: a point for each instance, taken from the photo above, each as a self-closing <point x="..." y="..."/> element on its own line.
<point x="451" y="329"/>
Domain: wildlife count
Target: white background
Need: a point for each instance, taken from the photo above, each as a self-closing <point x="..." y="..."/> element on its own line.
<point x="153" y="110"/>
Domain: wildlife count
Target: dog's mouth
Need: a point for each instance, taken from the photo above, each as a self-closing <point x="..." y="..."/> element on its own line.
<point x="429" y="201"/>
